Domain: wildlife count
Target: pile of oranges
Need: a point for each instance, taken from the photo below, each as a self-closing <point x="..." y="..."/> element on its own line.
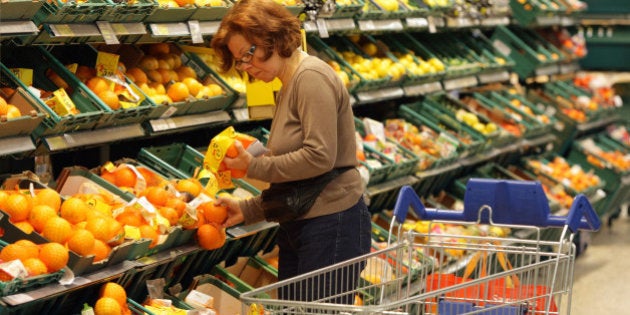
<point x="37" y="259"/>
<point x="161" y="75"/>
<point x="112" y="300"/>
<point x="170" y="200"/>
<point x="81" y="223"/>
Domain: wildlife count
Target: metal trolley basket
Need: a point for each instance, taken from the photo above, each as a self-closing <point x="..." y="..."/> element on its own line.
<point x="417" y="274"/>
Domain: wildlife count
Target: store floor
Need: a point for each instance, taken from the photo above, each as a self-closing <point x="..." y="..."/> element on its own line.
<point x="602" y="283"/>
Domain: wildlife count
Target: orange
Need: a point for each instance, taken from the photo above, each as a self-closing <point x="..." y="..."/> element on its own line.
<point x="213" y="213"/>
<point x="170" y="214"/>
<point x="178" y="91"/>
<point x="149" y="176"/>
<point x="54" y="255"/>
<point x="109" y="176"/>
<point x="168" y="75"/>
<point x="210" y="237"/>
<point x="131" y="217"/>
<point x="186" y="72"/>
<point x="57" y="230"/>
<point x="49" y="197"/>
<point x="189" y="185"/>
<point x="13" y="112"/>
<point x="25" y="226"/>
<point x="116" y="231"/>
<point x="110" y="98"/>
<point x="139" y="75"/>
<point x="107" y="306"/>
<point x="81" y="242"/>
<point x="74" y="210"/>
<point x="3" y="199"/>
<point x="3" y="106"/>
<point x="101" y="250"/>
<point x="13" y="252"/>
<point x="31" y="249"/>
<point x="18" y="207"/>
<point x="98" y="226"/>
<point x="231" y="152"/>
<point x="35" y="267"/>
<point x="39" y="215"/>
<point x="125" y="177"/>
<point x="148" y="232"/>
<point x="156" y="195"/>
<point x="85" y="73"/>
<point x="98" y="85"/>
<point x="215" y="89"/>
<point x="158" y="49"/>
<point x="115" y="291"/>
<point x="177" y="204"/>
<point x="155" y="77"/>
<point x="148" y="63"/>
<point x="193" y="85"/>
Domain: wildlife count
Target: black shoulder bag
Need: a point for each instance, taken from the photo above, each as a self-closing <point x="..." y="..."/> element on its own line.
<point x="288" y="201"/>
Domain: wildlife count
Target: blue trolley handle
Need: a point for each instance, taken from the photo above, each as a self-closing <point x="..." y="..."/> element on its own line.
<point x="581" y="214"/>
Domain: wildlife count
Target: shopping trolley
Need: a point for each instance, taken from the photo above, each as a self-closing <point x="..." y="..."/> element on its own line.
<point x="449" y="273"/>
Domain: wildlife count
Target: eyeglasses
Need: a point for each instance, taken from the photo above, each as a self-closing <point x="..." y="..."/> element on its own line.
<point x="246" y="59"/>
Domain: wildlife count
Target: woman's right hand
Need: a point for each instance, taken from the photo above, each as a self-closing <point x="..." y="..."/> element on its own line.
<point x="242" y="159"/>
<point x="235" y="215"/>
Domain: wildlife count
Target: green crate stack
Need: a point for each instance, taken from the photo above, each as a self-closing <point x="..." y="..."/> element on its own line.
<point x="527" y="12"/>
<point x="456" y="65"/>
<point x="444" y="105"/>
<point x="210" y="12"/>
<point x="430" y="73"/>
<point x="486" y="61"/>
<point x="167" y="14"/>
<point x="57" y="11"/>
<point x="406" y="164"/>
<point x="347" y="9"/>
<point x="351" y="78"/>
<point x="587" y="152"/>
<point x="468" y="144"/>
<point x="128" y="12"/>
<point x="540" y="123"/>
<point x="530" y="56"/>
<point x="492" y="59"/>
<point x="380" y="10"/>
<point x="329" y="48"/>
<point x="511" y="128"/>
<point x="85" y="55"/>
<point x="14" y="10"/>
<point x="91" y="113"/>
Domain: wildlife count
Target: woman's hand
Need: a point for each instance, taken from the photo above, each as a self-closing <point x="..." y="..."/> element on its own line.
<point x="241" y="161"/>
<point x="235" y="215"/>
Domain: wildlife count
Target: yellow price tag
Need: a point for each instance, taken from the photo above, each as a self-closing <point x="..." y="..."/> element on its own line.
<point x="61" y="103"/>
<point x="106" y="64"/>
<point x="72" y="67"/>
<point x="25" y="75"/>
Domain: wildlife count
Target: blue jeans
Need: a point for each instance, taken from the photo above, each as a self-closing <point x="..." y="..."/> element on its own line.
<point x="312" y="244"/>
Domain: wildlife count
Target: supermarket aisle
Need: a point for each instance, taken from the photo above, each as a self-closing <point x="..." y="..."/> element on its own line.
<point x="602" y="283"/>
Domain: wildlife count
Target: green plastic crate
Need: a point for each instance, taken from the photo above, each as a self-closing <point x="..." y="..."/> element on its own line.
<point x="15" y="10"/>
<point x="408" y="164"/>
<point x="348" y="10"/>
<point x="528" y="12"/>
<point x="86" y="55"/>
<point x="492" y="59"/>
<point x="319" y="49"/>
<point x="59" y="12"/>
<point x="419" y="57"/>
<point x="29" y="106"/>
<point x="373" y="11"/>
<point x="541" y="123"/>
<point x="91" y="112"/>
<point x="165" y="14"/>
<point x="467" y="143"/>
<point x="530" y="58"/>
<point x="341" y="44"/>
<point x="125" y="12"/>
<point x="211" y="13"/>
<point x="455" y="64"/>
<point x="442" y="104"/>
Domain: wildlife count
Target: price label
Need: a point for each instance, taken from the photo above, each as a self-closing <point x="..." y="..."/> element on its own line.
<point x="195" y="31"/>
<point x="25" y="75"/>
<point x="322" y="28"/>
<point x="417" y="22"/>
<point x="63" y="30"/>
<point x="106" y="64"/>
<point x="107" y="32"/>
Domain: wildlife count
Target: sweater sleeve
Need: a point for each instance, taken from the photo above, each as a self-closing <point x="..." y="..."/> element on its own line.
<point x="313" y="105"/>
<point x="252" y="210"/>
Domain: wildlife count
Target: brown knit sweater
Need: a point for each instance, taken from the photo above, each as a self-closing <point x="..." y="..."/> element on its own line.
<point x="312" y="131"/>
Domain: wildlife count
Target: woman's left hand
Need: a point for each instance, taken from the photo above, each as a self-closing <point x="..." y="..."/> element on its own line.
<point x="235" y="215"/>
<point x="241" y="161"/>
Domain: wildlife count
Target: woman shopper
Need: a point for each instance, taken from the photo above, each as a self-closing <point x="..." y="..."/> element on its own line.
<point x="312" y="132"/>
